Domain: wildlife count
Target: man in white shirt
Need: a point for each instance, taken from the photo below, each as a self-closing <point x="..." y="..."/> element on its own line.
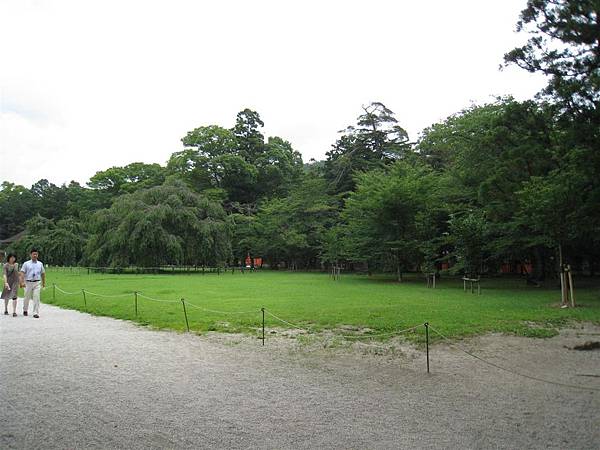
<point x="33" y="279"/>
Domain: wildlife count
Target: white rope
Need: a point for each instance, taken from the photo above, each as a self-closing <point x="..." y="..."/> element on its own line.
<point x="156" y="299"/>
<point x="256" y="311"/>
<point x="510" y="370"/>
<point x="286" y="322"/>
<point x="108" y="296"/>
<point x="65" y="292"/>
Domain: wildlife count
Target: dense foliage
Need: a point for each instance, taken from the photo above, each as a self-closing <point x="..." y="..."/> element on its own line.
<point x="168" y="224"/>
<point x="495" y="184"/>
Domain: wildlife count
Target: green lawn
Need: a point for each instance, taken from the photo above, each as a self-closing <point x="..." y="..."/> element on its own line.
<point x="313" y="300"/>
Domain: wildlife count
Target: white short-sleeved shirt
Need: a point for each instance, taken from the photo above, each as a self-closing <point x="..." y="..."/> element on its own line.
<point x="33" y="270"/>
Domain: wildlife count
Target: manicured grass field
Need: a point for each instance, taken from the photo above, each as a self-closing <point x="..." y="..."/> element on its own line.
<point x="313" y="300"/>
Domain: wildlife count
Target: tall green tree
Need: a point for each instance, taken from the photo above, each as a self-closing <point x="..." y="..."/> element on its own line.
<point x="250" y="140"/>
<point x="383" y="216"/>
<point x="469" y="233"/>
<point x="292" y="229"/>
<point x="122" y="180"/>
<point x="237" y="164"/>
<point x="564" y="44"/>
<point x="17" y="205"/>
<point x="375" y="140"/>
<point x="485" y="155"/>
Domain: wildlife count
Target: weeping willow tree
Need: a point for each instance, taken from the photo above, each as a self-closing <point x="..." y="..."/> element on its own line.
<point x="168" y="224"/>
<point x="60" y="242"/>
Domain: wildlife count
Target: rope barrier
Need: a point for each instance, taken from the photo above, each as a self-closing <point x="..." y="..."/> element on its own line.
<point x="65" y="292"/>
<point x="156" y="299"/>
<point x="254" y="311"/>
<point x="109" y="296"/>
<point x="193" y="305"/>
<point x="557" y="383"/>
<point x="286" y="322"/>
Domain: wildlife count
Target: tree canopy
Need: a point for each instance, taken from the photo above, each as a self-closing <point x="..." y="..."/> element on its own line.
<point x="495" y="183"/>
<point x="168" y="224"/>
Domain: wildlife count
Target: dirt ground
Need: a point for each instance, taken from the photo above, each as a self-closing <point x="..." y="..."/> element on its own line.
<point x="71" y="380"/>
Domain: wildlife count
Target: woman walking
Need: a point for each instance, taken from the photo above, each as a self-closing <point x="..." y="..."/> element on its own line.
<point x="10" y="274"/>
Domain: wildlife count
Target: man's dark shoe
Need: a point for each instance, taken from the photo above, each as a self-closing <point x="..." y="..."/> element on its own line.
<point x="35" y="316"/>
<point x="14" y="314"/>
<point x="6" y="313"/>
<point x="24" y="313"/>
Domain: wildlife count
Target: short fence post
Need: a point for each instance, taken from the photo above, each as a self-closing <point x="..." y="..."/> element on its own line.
<point x="570" y="278"/>
<point x="263" y="325"/>
<point x="135" y="301"/>
<point x="53" y="292"/>
<point x="427" y="342"/>
<point x="185" y="314"/>
<point x="84" y="299"/>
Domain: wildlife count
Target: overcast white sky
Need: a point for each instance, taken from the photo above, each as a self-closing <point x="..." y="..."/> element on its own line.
<point x="86" y="85"/>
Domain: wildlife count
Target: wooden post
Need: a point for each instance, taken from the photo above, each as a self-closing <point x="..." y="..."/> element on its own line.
<point x="563" y="300"/>
<point x="427" y="342"/>
<point x="263" y="325"/>
<point x="571" y="286"/>
<point x="84" y="299"/>
<point x="187" y="324"/>
<point x="563" y="289"/>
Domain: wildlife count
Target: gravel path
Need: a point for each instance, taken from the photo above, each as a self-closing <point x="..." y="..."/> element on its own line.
<point x="70" y="380"/>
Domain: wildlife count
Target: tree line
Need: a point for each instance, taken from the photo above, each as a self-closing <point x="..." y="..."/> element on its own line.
<point x="498" y="182"/>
